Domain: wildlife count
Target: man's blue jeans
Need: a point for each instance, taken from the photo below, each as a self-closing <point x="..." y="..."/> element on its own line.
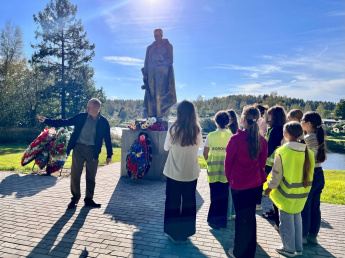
<point x="311" y="214"/>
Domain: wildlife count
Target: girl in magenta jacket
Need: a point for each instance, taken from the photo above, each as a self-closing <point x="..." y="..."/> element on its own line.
<point x="244" y="165"/>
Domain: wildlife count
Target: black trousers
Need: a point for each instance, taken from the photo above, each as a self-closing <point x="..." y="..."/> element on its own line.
<point x="219" y="193"/>
<point x="180" y="209"/>
<point x="245" y="223"/>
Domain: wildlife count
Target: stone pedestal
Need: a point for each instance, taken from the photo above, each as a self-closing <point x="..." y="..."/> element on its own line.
<point x="159" y="155"/>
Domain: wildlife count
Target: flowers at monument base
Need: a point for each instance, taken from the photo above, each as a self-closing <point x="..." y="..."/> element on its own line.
<point x="48" y="149"/>
<point x="336" y="130"/>
<point x="150" y="124"/>
<point x="139" y="157"/>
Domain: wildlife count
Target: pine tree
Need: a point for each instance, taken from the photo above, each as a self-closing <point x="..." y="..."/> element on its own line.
<point x="65" y="51"/>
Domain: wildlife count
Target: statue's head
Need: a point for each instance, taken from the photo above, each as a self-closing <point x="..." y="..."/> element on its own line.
<point x="158" y="34"/>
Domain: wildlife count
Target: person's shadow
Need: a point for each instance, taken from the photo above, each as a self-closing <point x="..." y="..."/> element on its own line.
<point x="44" y="247"/>
<point x="25" y="185"/>
<point x="141" y="204"/>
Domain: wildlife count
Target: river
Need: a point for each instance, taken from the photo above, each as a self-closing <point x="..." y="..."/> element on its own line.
<point x="334" y="160"/>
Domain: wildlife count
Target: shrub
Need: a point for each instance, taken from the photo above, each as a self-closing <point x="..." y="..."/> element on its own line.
<point x="208" y="125"/>
<point x="116" y="140"/>
<point x="18" y="135"/>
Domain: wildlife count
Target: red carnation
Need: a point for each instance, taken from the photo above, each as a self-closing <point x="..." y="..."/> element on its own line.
<point x="61" y="151"/>
<point x="61" y="145"/>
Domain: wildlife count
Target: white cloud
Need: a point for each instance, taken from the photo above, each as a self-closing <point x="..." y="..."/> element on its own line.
<point x="336" y="13"/>
<point x="213" y="83"/>
<point x="124" y="60"/>
<point x="249" y="87"/>
<point x="114" y="97"/>
<point x="181" y="86"/>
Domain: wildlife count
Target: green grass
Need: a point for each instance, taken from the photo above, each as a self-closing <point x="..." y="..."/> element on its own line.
<point x="334" y="191"/>
<point x="11" y="156"/>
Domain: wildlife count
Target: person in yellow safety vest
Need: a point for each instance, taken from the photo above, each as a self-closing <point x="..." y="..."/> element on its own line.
<point x="275" y="119"/>
<point x="291" y="181"/>
<point x="294" y="115"/>
<point x="214" y="154"/>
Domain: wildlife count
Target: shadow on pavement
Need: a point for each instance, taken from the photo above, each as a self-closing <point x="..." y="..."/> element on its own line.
<point x="141" y="204"/>
<point x="25" y="185"/>
<point x="47" y="245"/>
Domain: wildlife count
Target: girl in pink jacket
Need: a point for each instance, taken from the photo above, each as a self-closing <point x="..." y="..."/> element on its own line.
<point x="244" y="165"/>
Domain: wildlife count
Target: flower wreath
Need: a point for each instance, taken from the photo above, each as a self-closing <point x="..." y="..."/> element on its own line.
<point x="139" y="157"/>
<point x="48" y="149"/>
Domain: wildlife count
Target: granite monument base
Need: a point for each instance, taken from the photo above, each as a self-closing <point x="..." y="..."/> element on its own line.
<point x="159" y="155"/>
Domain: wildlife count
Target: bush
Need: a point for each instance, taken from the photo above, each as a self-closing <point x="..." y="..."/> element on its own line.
<point x="18" y="135"/>
<point x="208" y="125"/>
<point x="116" y="140"/>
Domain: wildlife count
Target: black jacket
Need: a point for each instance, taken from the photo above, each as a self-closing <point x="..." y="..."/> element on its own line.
<point x="102" y="132"/>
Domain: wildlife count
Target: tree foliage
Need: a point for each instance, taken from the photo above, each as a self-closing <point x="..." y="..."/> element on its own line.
<point x="339" y="110"/>
<point x="65" y="52"/>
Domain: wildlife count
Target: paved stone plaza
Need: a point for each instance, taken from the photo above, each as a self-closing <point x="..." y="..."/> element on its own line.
<point x="34" y="221"/>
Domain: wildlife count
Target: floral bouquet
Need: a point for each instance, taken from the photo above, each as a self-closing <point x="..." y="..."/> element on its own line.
<point x="150" y="124"/>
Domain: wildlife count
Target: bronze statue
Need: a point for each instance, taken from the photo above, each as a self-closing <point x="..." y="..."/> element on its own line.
<point x="159" y="81"/>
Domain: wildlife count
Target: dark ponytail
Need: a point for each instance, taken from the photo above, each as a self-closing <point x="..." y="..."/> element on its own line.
<point x="306" y="168"/>
<point x="252" y="114"/>
<point x="295" y="130"/>
<point x="316" y="121"/>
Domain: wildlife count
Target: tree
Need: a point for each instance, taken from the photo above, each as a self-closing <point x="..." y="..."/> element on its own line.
<point x="321" y="110"/>
<point x="339" y="110"/>
<point x="12" y="71"/>
<point x="64" y="50"/>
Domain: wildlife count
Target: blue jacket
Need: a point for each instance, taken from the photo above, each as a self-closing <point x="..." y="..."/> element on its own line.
<point x="78" y="121"/>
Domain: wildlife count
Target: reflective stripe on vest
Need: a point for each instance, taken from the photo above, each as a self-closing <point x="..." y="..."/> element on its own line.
<point x="218" y="141"/>
<point x="290" y="196"/>
<point x="270" y="159"/>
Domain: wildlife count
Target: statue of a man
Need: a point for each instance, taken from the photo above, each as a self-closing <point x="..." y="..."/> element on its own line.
<point x="159" y="81"/>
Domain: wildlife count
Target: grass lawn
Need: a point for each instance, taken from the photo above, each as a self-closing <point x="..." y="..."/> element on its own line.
<point x="11" y="154"/>
<point x="334" y="191"/>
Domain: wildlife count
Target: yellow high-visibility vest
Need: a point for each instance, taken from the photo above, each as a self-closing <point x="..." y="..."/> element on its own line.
<point x="218" y="141"/>
<point x="290" y="196"/>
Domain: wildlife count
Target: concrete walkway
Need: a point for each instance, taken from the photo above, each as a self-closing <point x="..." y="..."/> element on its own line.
<point x="34" y="221"/>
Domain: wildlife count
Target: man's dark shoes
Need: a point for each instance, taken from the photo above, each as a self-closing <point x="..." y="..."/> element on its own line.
<point x="71" y="205"/>
<point x="91" y="203"/>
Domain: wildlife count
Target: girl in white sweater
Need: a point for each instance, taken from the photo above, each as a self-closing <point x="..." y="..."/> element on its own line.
<point x="182" y="169"/>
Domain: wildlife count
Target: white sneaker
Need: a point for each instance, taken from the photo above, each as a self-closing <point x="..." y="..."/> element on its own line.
<point x="282" y="251"/>
<point x="297" y="253"/>
<point x="230" y="252"/>
<point x="258" y="207"/>
<point x="228" y="218"/>
<point x="233" y="216"/>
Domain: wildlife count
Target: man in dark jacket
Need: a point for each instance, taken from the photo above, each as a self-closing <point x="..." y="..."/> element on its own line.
<point x="86" y="141"/>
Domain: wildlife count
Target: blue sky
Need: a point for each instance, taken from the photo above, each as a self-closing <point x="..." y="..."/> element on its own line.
<point x="221" y="47"/>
